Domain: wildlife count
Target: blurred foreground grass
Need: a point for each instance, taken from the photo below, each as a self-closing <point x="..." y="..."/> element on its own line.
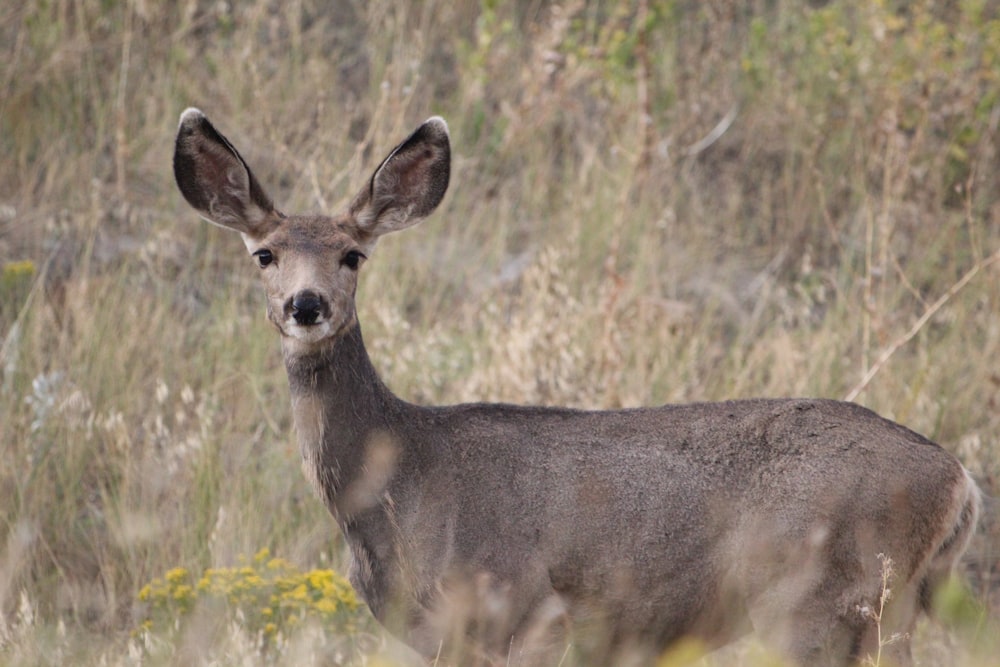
<point x="651" y="202"/>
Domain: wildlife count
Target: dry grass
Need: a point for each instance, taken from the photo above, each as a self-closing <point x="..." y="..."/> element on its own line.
<point x="605" y="242"/>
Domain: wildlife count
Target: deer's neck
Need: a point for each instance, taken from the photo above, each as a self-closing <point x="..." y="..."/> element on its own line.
<point x="346" y="422"/>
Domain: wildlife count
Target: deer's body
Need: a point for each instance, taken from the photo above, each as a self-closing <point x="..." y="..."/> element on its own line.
<point x="519" y="528"/>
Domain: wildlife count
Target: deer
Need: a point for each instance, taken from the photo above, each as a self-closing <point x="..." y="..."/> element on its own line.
<point x="503" y="534"/>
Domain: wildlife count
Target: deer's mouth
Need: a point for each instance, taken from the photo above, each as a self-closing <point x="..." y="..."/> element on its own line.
<point x="313" y="332"/>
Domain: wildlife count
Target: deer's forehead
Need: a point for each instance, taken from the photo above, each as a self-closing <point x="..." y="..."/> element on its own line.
<point x="314" y="234"/>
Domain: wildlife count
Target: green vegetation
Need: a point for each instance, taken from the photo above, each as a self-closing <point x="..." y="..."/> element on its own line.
<point x="651" y="202"/>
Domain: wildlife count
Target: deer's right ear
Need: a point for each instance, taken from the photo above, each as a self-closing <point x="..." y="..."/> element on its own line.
<point x="216" y="181"/>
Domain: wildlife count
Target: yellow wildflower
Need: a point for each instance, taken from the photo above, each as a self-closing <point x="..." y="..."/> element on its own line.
<point x="177" y="575"/>
<point x="278" y="564"/>
<point x="325" y="606"/>
<point x="266" y="594"/>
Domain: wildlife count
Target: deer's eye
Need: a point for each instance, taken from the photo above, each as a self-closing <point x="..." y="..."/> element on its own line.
<point x="264" y="257"/>
<point x="352" y="259"/>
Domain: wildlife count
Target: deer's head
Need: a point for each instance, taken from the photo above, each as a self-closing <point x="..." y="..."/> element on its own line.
<point x="310" y="263"/>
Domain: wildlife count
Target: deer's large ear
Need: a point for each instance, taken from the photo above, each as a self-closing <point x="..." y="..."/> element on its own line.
<point x="216" y="181"/>
<point x="409" y="183"/>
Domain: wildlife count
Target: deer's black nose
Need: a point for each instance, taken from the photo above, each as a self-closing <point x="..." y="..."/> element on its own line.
<point x="305" y="307"/>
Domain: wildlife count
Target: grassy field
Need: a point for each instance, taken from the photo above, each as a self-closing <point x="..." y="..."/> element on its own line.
<point x="650" y="202"/>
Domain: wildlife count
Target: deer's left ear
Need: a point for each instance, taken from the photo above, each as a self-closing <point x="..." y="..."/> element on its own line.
<point x="409" y="184"/>
<point x="216" y="181"/>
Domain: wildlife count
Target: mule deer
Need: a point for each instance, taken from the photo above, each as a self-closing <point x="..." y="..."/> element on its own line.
<point x="521" y="531"/>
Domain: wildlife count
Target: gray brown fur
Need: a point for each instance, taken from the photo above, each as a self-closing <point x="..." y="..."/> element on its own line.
<point x="499" y="533"/>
